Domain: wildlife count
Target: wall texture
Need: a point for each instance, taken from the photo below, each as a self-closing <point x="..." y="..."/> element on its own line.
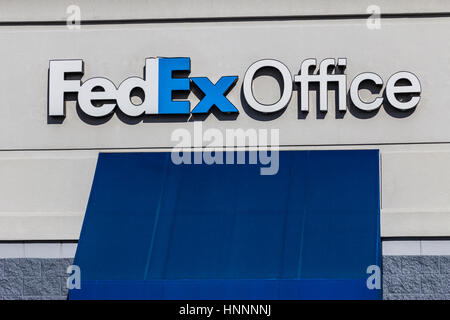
<point x="416" y="277"/>
<point x="33" y="279"/>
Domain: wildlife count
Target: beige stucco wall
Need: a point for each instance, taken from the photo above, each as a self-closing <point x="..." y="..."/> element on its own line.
<point x="46" y="169"/>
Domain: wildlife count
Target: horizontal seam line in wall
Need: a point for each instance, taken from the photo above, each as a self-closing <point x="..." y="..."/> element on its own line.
<point x="38" y="241"/>
<point x="206" y="147"/>
<point x="229" y="19"/>
<point x="416" y="238"/>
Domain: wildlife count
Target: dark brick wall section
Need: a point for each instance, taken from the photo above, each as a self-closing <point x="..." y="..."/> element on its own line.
<point x="416" y="277"/>
<point x="33" y="279"/>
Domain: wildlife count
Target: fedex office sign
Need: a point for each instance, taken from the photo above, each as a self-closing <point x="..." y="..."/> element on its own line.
<point x="98" y="97"/>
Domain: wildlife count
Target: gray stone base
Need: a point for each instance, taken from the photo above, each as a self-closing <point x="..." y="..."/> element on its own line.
<point x="33" y="279"/>
<point x="404" y="278"/>
<point x="416" y="277"/>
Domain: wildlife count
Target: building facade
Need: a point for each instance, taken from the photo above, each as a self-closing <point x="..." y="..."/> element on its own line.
<point x="51" y="139"/>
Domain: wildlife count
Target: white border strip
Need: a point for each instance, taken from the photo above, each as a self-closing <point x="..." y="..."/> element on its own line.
<point x="416" y="248"/>
<point x="51" y="250"/>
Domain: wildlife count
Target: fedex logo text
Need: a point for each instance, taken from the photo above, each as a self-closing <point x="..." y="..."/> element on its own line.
<point x="99" y="96"/>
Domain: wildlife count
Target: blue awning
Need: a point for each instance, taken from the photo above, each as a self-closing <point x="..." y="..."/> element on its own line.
<point x="157" y="230"/>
